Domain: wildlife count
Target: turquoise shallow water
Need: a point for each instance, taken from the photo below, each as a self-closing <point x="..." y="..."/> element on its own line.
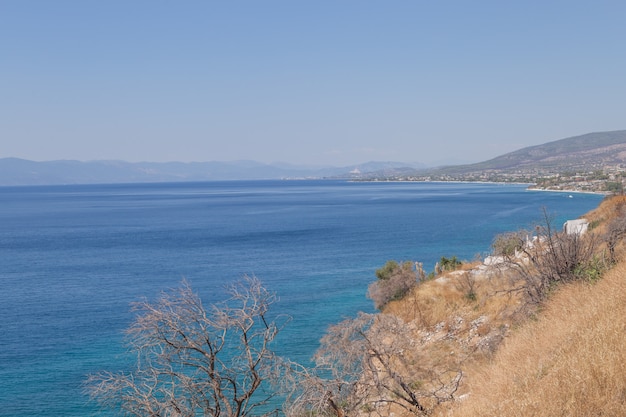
<point x="72" y="258"/>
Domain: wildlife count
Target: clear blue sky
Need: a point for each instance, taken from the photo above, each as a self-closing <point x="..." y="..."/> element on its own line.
<point x="314" y="82"/>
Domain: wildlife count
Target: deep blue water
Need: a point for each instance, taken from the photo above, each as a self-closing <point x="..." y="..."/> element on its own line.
<point x="72" y="258"/>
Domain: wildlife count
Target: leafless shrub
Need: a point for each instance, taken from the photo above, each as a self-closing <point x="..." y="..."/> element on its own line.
<point x="196" y="361"/>
<point x="551" y="257"/>
<point x="466" y="283"/>
<point x="369" y="364"/>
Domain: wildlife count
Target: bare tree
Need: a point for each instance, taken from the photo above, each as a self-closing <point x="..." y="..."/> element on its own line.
<point x="548" y="258"/>
<point x="194" y="361"/>
<point x="369" y="365"/>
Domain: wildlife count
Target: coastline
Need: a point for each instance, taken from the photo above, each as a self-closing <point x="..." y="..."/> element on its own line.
<point x="445" y="182"/>
<point x="530" y="185"/>
<point x="604" y="193"/>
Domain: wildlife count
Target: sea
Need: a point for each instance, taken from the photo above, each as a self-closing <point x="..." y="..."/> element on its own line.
<point x="73" y="258"/>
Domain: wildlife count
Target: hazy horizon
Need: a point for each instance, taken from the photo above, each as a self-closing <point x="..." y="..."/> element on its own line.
<point x="271" y="163"/>
<point x="316" y="84"/>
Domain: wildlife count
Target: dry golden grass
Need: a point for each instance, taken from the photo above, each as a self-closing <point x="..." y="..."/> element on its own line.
<point x="447" y="298"/>
<point x="567" y="359"/>
<point x="454" y="330"/>
<point x="606" y="209"/>
<point x="601" y="216"/>
<point x="571" y="361"/>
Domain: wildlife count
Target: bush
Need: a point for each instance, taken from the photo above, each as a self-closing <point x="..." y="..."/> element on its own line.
<point x="394" y="281"/>
<point x="507" y="244"/>
<point x="387" y="270"/>
<point x="449" y="264"/>
<point x="552" y="258"/>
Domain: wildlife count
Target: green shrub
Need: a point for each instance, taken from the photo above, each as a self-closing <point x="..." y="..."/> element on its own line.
<point x="387" y="270"/>
<point x="394" y="281"/>
<point x="449" y="264"/>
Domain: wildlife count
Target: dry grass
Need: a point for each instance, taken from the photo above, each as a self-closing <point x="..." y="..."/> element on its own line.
<point x="600" y="218"/>
<point x="460" y="294"/>
<point x="453" y="329"/>
<point x="606" y="209"/>
<point x="570" y="362"/>
<point x="566" y="359"/>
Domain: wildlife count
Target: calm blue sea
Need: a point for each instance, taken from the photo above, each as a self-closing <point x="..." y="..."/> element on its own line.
<point x="72" y="258"/>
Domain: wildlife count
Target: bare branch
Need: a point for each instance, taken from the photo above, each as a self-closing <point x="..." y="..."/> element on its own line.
<point x="368" y="363"/>
<point x="542" y="260"/>
<point x="196" y="361"/>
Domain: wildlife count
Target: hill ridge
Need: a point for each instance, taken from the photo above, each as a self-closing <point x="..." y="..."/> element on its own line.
<point x="587" y="152"/>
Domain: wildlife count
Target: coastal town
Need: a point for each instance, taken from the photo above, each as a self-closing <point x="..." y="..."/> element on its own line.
<point x="604" y="180"/>
<point x="594" y="162"/>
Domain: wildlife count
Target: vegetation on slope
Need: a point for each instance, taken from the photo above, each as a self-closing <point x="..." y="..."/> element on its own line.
<point x="571" y="361"/>
<point x="559" y="354"/>
<point x="589" y="150"/>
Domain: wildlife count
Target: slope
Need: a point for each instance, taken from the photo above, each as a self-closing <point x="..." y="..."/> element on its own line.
<point x="586" y="152"/>
<point x="562" y="355"/>
<point x="572" y="361"/>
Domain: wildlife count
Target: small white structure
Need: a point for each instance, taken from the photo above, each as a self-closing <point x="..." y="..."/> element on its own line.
<point x="576" y="227"/>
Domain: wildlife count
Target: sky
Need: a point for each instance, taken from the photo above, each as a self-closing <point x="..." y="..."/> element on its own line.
<point x="306" y="82"/>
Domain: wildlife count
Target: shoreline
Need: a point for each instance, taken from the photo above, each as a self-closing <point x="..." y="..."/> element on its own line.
<point x="528" y="184"/>
<point x="445" y="182"/>
<point x="604" y="193"/>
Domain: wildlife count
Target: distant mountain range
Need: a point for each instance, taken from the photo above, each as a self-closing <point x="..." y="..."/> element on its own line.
<point x="14" y="171"/>
<point x="580" y="153"/>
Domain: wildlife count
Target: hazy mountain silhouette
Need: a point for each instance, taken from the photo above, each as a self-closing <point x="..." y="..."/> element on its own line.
<point x="14" y="171"/>
<point x="586" y="152"/>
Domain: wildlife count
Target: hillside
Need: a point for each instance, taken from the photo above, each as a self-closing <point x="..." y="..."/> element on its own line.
<point x="580" y="152"/>
<point x="571" y="361"/>
<point x="565" y="355"/>
<point x="585" y="153"/>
